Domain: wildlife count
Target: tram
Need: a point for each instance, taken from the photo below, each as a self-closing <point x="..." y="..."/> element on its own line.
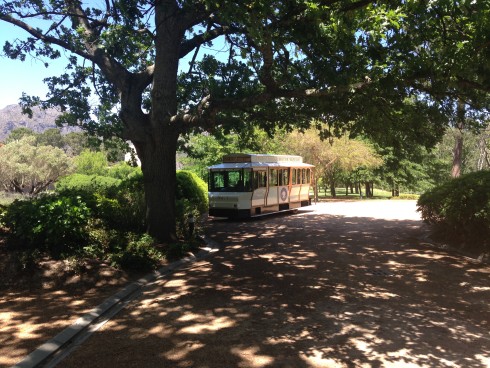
<point x="247" y="185"/>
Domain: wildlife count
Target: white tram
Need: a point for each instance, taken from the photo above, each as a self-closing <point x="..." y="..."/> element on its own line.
<point x="247" y="185"/>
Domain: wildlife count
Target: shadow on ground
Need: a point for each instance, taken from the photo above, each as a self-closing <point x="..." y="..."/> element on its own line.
<point x="307" y="291"/>
<point x="42" y="304"/>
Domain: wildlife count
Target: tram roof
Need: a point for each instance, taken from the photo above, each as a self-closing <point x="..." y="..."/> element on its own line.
<point x="250" y="165"/>
<point x="250" y="160"/>
<point x="261" y="158"/>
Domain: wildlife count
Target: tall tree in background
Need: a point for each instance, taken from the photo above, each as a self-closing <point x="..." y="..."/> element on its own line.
<point x="29" y="168"/>
<point x="356" y="63"/>
<point x="452" y="59"/>
<point x="333" y="158"/>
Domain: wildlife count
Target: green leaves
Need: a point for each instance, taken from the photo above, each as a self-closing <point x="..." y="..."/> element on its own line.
<point x="26" y="167"/>
<point x="49" y="223"/>
<point x="460" y="208"/>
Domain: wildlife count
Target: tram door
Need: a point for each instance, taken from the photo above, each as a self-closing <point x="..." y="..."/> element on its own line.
<point x="278" y="193"/>
<point x="260" y="188"/>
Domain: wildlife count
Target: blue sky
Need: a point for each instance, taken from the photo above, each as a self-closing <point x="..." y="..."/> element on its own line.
<point x="16" y="76"/>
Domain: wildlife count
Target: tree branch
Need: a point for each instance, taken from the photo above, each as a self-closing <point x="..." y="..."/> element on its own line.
<point x="250" y="101"/>
<point x="474" y="85"/>
<point x="200" y="39"/>
<point x="45" y="38"/>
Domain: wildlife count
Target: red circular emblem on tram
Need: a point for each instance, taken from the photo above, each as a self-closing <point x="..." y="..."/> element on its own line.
<point x="284" y="194"/>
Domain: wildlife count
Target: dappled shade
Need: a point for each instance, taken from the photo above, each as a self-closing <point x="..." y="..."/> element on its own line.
<point x="307" y="290"/>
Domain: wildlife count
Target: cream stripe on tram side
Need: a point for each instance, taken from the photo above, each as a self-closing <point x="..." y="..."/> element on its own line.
<point x="246" y="185"/>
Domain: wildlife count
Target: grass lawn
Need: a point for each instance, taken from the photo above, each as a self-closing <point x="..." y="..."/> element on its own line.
<point x="378" y="194"/>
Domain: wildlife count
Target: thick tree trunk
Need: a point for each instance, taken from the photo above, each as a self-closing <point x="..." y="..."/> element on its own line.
<point x="484" y="156"/>
<point x="457" y="155"/>
<point x="458" y="141"/>
<point x="158" y="163"/>
<point x="332" y="189"/>
<point x="158" y="148"/>
<point x="368" y="189"/>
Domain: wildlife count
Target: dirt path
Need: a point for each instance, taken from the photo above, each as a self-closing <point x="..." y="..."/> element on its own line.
<point x="340" y="285"/>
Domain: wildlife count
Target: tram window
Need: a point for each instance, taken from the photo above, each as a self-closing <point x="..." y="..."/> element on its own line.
<point x="273" y="177"/>
<point x="308" y="176"/>
<point x="247" y="180"/>
<point x="284" y="177"/>
<point x="217" y="181"/>
<point x="260" y="179"/>
<point x="298" y="176"/>
<point x="230" y="181"/>
<point x="293" y="179"/>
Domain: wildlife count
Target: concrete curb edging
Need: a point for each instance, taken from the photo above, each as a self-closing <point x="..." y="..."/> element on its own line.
<point x="46" y="351"/>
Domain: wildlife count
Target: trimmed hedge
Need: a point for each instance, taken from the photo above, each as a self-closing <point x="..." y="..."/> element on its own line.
<point x="460" y="208"/>
<point x="89" y="183"/>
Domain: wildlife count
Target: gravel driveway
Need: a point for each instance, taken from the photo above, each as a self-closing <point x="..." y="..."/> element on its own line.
<point x="340" y="284"/>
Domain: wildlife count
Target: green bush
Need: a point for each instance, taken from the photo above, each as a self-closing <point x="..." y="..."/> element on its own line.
<point x="139" y="254"/>
<point x="119" y="203"/>
<point x="123" y="206"/>
<point x="460" y="207"/>
<point x="53" y="223"/>
<point x="192" y="188"/>
<point x="98" y="217"/>
<point x="91" y="163"/>
<point x="191" y="198"/>
<point x="123" y="170"/>
<point x="87" y="183"/>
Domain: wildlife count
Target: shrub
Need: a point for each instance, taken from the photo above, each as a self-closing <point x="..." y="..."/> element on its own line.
<point x="191" y="198"/>
<point x="123" y="206"/>
<point x="192" y="188"/>
<point x="53" y="223"/>
<point x="460" y="207"/>
<point x="139" y="254"/>
<point x="98" y="217"/>
<point x="91" y="163"/>
<point x="119" y="203"/>
<point x="87" y="183"/>
<point x="123" y="170"/>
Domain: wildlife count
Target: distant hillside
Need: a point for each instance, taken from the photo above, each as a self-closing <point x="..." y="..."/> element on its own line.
<point x="11" y="117"/>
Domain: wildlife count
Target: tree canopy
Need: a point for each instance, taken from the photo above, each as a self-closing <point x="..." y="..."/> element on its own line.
<point x="28" y="168"/>
<point x="370" y="67"/>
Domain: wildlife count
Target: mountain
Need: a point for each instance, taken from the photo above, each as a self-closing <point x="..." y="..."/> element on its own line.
<point x="11" y="117"/>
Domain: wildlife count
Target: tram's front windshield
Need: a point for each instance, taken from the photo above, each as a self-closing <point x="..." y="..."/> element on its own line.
<point x="233" y="180"/>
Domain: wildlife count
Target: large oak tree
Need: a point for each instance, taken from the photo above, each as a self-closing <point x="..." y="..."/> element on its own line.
<point x="352" y="63"/>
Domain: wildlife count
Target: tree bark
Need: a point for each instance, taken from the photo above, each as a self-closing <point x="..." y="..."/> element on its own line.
<point x="158" y="163"/>
<point x="368" y="189"/>
<point x="458" y="141"/>
<point x="157" y="150"/>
